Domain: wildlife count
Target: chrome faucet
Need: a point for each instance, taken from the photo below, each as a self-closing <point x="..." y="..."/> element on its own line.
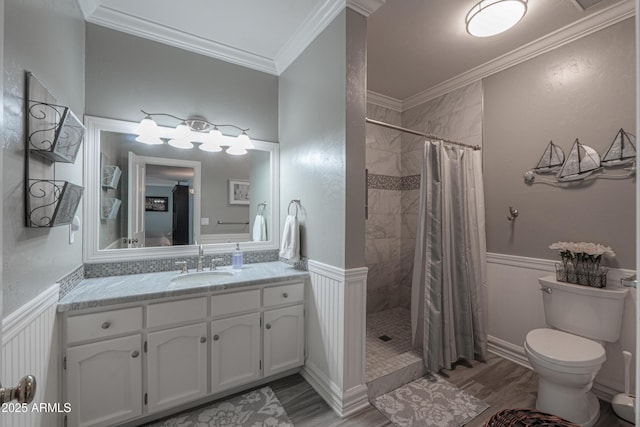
<point x="200" y="258"/>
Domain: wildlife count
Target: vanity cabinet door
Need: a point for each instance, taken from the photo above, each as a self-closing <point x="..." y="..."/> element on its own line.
<point x="176" y="366"/>
<point x="235" y="351"/>
<point x="283" y="339"/>
<point x="104" y="382"/>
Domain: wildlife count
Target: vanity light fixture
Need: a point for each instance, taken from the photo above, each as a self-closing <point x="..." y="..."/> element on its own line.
<point x="193" y="130"/>
<point x="491" y="17"/>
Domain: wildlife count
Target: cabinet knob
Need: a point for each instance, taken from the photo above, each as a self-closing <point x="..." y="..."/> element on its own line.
<point x="285" y="295"/>
<point x="106" y="325"/>
<point x="203" y="339"/>
<point x="135" y="354"/>
<point x="216" y="337"/>
<point x="268" y="326"/>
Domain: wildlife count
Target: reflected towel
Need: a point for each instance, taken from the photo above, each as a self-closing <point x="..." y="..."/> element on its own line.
<point x="290" y="246"/>
<point x="259" y="232"/>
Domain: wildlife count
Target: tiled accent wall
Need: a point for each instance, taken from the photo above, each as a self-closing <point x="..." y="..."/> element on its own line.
<point x="168" y="264"/>
<point x="384" y="182"/>
<point x="457" y="116"/>
<point x="70" y="281"/>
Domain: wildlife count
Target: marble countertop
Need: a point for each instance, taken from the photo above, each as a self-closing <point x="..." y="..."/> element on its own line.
<point x="105" y="291"/>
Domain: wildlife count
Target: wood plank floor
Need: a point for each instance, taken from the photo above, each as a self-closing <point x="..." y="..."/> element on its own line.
<point x="499" y="382"/>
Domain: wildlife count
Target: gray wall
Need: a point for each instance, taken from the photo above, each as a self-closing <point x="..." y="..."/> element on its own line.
<point x="312" y="143"/>
<point x="45" y="37"/>
<point x="583" y="90"/>
<point x="355" y="149"/>
<point x="322" y="148"/>
<point x="127" y="73"/>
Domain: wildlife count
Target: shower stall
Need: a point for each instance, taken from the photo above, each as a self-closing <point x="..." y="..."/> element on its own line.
<point x="394" y="163"/>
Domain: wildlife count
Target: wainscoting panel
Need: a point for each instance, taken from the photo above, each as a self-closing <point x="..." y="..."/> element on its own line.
<point x="30" y="346"/>
<point x="515" y="308"/>
<point x="336" y="316"/>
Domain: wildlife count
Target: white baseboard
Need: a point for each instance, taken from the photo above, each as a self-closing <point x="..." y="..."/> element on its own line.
<point x="343" y="404"/>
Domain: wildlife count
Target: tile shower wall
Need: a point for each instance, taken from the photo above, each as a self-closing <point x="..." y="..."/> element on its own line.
<point x="382" y="240"/>
<point x="456" y="115"/>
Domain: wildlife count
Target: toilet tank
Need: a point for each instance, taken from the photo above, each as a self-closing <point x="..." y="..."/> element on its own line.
<point x="594" y="313"/>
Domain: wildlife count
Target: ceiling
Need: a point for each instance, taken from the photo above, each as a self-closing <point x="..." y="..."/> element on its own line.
<point x="415" y="47"/>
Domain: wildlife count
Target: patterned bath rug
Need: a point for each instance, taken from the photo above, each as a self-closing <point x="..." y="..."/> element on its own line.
<point x="428" y="403"/>
<point x="258" y="408"/>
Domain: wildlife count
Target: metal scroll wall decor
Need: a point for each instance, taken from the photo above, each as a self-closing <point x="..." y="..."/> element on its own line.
<point x="53" y="134"/>
<point x="584" y="162"/>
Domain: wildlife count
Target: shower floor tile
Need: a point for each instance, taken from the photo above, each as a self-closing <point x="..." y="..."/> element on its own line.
<point x="385" y="357"/>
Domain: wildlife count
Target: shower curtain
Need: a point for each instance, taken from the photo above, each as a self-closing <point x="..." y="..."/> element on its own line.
<point x="448" y="299"/>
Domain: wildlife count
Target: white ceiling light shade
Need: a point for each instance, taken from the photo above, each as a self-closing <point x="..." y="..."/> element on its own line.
<point x="491" y="17"/>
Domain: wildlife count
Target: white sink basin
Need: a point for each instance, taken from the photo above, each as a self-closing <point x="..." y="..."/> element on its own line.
<point x="203" y="277"/>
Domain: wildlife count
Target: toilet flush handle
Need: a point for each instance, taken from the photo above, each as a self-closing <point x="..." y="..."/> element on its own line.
<point x="547" y="290"/>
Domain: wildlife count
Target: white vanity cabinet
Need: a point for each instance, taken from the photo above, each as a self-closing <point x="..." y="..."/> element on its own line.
<point x="283" y="328"/>
<point x="104" y="381"/>
<point x="283" y="339"/>
<point x="235" y="351"/>
<point x="176" y="366"/>
<point x="130" y="362"/>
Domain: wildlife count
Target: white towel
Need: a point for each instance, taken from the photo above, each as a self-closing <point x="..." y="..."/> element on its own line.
<point x="290" y="246"/>
<point x="259" y="229"/>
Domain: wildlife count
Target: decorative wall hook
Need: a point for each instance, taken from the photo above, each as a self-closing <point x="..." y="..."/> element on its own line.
<point x="513" y="213"/>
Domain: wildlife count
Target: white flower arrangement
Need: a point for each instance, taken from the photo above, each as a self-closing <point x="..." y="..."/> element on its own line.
<point x="581" y="262"/>
<point x="571" y="249"/>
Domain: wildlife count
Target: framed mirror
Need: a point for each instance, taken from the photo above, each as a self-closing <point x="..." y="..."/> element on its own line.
<point x="144" y="201"/>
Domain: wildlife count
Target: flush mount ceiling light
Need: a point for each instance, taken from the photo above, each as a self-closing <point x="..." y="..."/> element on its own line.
<point x="491" y="17"/>
<point x="189" y="131"/>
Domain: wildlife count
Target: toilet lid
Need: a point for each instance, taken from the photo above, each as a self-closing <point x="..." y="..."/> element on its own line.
<point x="564" y="349"/>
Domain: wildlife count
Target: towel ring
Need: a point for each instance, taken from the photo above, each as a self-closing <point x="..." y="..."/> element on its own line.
<point x="295" y="203"/>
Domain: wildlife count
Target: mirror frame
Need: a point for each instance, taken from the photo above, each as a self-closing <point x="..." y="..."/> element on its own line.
<point x="91" y="203"/>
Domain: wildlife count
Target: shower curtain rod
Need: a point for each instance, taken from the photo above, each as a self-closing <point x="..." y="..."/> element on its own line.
<point x="415" y="132"/>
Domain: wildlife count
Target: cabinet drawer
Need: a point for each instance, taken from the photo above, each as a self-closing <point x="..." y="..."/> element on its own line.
<point x="171" y="312"/>
<point x="283" y="294"/>
<point x="104" y="324"/>
<point x="236" y="302"/>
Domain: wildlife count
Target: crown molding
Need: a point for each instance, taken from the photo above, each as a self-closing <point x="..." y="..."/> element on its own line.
<point x="306" y="33"/>
<point x="581" y="28"/>
<point x="384" y="101"/>
<point x="88" y="7"/>
<point x="365" y="7"/>
<point x="126" y="23"/>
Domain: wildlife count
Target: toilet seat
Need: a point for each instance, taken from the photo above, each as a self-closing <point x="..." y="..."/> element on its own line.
<point x="561" y="348"/>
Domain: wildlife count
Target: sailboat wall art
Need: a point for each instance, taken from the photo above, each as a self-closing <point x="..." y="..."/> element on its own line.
<point x="551" y="160"/>
<point x="581" y="162"/>
<point x="621" y="151"/>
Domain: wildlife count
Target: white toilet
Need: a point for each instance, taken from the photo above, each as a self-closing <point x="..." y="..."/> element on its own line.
<point x="568" y="357"/>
